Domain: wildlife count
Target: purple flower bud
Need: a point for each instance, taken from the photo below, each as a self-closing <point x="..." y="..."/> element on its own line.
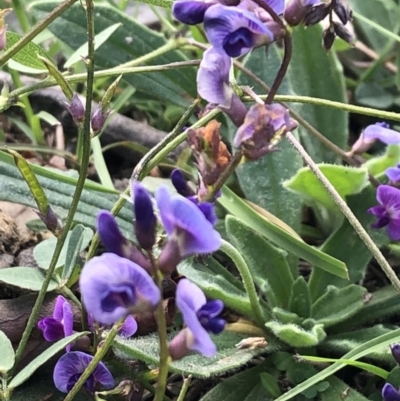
<point x="189" y="232"/>
<point x="263" y="128"/>
<point x="343" y="33"/>
<point x="343" y="11"/>
<point x="328" y="37"/>
<point x="180" y="183"/>
<point x="388" y="212"/>
<point x="317" y="13"/>
<point x="99" y="118"/>
<point x="76" y="109"/>
<point x="190" y="12"/>
<point x="113" y="287"/>
<point x="145" y="219"/>
<point x="389" y="393"/>
<point x="50" y="219"/>
<point x="70" y="367"/>
<point x="395" y="348"/>
<point x="235" y="31"/>
<point x="296" y="10"/>
<point x="3" y="37"/>
<point x="200" y="317"/>
<point x="393" y="173"/>
<point x="59" y="325"/>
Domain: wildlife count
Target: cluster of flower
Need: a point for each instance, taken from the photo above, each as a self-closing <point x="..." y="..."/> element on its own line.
<point x="388" y="196"/>
<point x="121" y="281"/>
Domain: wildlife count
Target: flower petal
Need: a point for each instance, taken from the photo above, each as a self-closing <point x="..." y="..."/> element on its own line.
<point x="393" y="173"/>
<point x="190" y="12"/>
<point x="109" y="232"/>
<point x="389" y="393"/>
<point x="163" y="199"/>
<point x="52" y="329"/>
<point x="103" y="376"/>
<point x="234" y="30"/>
<point x="129" y="327"/>
<point x="213" y="78"/>
<point x="277" y="5"/>
<point x="388" y="196"/>
<point x="393" y="229"/>
<point x="112" y="287"/>
<point x="383" y="133"/>
<point x="58" y="311"/>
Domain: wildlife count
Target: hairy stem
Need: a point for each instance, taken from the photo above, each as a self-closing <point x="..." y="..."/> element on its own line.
<point x="391" y="275"/>
<point x="185" y="388"/>
<point x="39" y="27"/>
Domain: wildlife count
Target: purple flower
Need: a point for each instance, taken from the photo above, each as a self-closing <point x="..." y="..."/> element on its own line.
<point x="76" y="109"/>
<point x="388" y="212"/>
<point x="59" y="325"/>
<point x="70" y="367"/>
<point x="263" y="127"/>
<point x="382" y="132"/>
<point x="128" y="329"/>
<point x="395" y="348"/>
<point x="235" y="31"/>
<point x="389" y="393"/>
<point x="145" y="219"/>
<point x="393" y="173"/>
<point x="213" y="84"/>
<point x="113" y="287"/>
<point x="99" y="118"/>
<point x="190" y="12"/>
<point x="200" y="317"/>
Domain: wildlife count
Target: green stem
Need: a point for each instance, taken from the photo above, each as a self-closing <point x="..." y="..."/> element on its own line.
<point x="162" y="335"/>
<point x="100" y="353"/>
<point x="32" y="120"/>
<point x="69" y="294"/>
<point x="370" y="244"/>
<point x="75" y="200"/>
<point x="247" y="279"/>
<point x="21" y="15"/>
<point x="185" y="388"/>
<point x="170" y="142"/>
<point x="100" y="164"/>
<point x="39" y="27"/>
<point x="111" y="72"/>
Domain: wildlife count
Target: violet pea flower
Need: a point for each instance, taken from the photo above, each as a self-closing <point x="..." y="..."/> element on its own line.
<point x="59" y="325"/>
<point x="389" y="393"/>
<point x="190" y="12"/>
<point x="235" y="31"/>
<point x="200" y="317"/>
<point x="393" y="173"/>
<point x="388" y="212"/>
<point x="128" y="329"/>
<point x="113" y="287"/>
<point x="70" y="367"/>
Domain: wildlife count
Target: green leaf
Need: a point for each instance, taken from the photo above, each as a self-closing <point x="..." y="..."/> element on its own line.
<point x="372" y="94"/>
<point x="28" y="278"/>
<point x="59" y="189"/>
<point x="286" y="317"/>
<point x="216" y="284"/>
<point x="268" y="265"/>
<point x="338" y="390"/>
<point x="270" y="383"/>
<point x="7" y="354"/>
<point x="227" y="358"/>
<point x="295" y="335"/>
<point x="233" y="204"/>
<point x="129" y="42"/>
<point x="378" y="165"/>
<point x="384" y="13"/>
<point x="327" y="82"/>
<point x="244" y="386"/>
<point x="336" y="305"/>
<point x="99" y="39"/>
<point x="43" y="252"/>
<point x="346" y="180"/>
<point x="27" y="56"/>
<point x="356" y="353"/>
<point x="261" y="180"/>
<point x="300" y="299"/>
<point x="344" y="244"/>
<point x="28" y="370"/>
<point x="78" y="241"/>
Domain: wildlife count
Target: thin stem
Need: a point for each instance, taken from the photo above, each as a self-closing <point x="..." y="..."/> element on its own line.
<point x="141" y="168"/>
<point x="370" y="244"/>
<point x="100" y="353"/>
<point x="68" y="293"/>
<point x="111" y="72"/>
<point x="247" y="279"/>
<point x="21" y="15"/>
<point x="39" y="27"/>
<point x="185" y="388"/>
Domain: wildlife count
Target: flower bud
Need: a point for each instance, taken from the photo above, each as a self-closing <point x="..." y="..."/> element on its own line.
<point x="76" y="109"/>
<point x="328" y="38"/>
<point x="343" y="11"/>
<point x="99" y="118"/>
<point x="180" y="183"/>
<point x="50" y="219"/>
<point x="395" y="348"/>
<point x="316" y="14"/>
<point x="3" y="37"/>
<point x="296" y="11"/>
<point x="343" y="33"/>
<point x="145" y="219"/>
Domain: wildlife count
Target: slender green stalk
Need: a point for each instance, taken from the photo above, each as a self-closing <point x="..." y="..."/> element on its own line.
<point x="39" y="27"/>
<point x="170" y="142"/>
<point x="247" y="279"/>
<point x="100" y="353"/>
<point x="21" y="14"/>
<point x="74" y="204"/>
<point x="111" y="72"/>
<point x="100" y="164"/>
<point x="185" y="388"/>
<point x="69" y="294"/>
<point x="162" y="335"/>
<point x="370" y="244"/>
